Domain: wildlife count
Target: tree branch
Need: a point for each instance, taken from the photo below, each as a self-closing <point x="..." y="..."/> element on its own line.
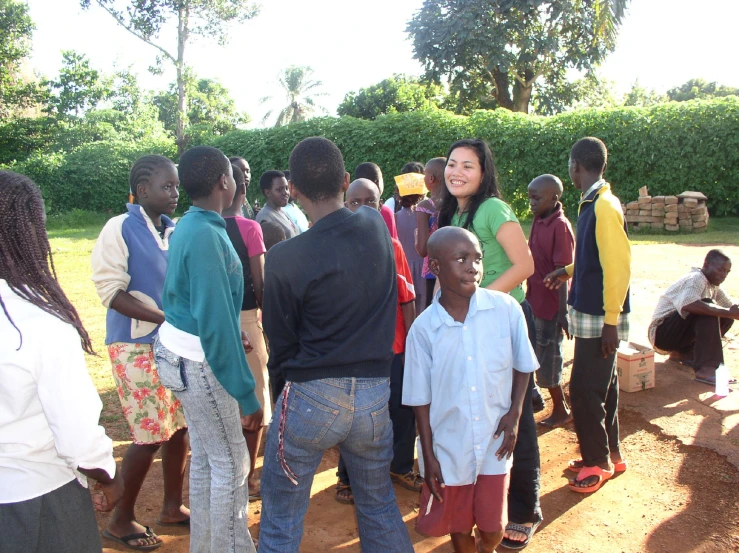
<point x="138" y="35"/>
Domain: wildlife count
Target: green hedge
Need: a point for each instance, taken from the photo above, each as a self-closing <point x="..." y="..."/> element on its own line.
<point x="670" y="147"/>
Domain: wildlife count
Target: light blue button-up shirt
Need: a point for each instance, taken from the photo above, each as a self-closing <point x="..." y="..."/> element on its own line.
<point x="465" y="371"/>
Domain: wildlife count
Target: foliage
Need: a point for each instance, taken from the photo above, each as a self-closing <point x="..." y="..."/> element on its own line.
<point x="211" y="110"/>
<point x="501" y="48"/>
<point x="16" y="28"/>
<point x="78" y="87"/>
<point x="297" y="83"/>
<point x="393" y="95"/>
<point x="147" y="19"/>
<point x="700" y="89"/>
<point x="639" y="96"/>
<point x="669" y="147"/>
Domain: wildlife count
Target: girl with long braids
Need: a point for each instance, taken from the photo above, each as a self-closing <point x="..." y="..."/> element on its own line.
<point x="50" y="440"/>
<point x="472" y="200"/>
<point x="129" y="262"/>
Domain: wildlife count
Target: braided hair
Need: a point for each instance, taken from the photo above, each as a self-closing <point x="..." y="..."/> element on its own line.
<point x="142" y="170"/>
<point x="26" y="263"/>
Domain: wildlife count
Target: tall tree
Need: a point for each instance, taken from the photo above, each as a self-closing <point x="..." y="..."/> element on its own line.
<point x="505" y="46"/>
<point x="209" y="106"/>
<point x="298" y="85"/>
<point x="16" y="29"/>
<point x="394" y="95"/>
<point x="78" y="87"/>
<point x="700" y="89"/>
<point x="146" y="19"/>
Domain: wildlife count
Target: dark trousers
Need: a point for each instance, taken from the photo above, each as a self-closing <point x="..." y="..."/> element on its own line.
<point x="525" y="483"/>
<point x="696" y="336"/>
<point x="594" y="401"/>
<point x="61" y="521"/>
<point x="404" y="425"/>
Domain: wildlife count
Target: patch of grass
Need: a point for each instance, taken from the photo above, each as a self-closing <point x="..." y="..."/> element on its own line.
<point x="76" y="223"/>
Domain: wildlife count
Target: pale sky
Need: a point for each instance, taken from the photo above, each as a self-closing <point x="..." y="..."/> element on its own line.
<point x="350" y="45"/>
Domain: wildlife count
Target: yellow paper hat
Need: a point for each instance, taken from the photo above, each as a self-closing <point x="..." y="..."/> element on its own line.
<point x="411" y="183"/>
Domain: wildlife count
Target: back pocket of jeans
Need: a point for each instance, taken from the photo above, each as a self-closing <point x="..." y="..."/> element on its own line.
<point x="307" y="420"/>
<point x="169" y="367"/>
<point x="381" y="423"/>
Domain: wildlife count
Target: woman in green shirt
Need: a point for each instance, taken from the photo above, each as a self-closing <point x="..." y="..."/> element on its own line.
<point x="472" y="200"/>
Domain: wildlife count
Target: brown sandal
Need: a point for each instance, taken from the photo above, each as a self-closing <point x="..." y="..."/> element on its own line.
<point x="346" y="499"/>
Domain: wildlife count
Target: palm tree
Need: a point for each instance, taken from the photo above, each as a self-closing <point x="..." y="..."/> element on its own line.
<point x="297" y="83"/>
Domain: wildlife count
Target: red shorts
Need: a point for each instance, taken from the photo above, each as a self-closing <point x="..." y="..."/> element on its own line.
<point x="484" y="504"/>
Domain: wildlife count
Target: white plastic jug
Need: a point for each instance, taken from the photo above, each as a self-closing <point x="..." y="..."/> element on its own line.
<point x="722" y="381"/>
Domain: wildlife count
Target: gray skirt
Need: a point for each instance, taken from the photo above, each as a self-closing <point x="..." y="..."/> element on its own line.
<point x="61" y="521"/>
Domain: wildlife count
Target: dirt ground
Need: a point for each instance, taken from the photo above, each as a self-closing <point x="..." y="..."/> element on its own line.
<point x="680" y="493"/>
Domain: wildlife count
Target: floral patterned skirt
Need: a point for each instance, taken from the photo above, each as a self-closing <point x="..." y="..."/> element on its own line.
<point x="152" y="411"/>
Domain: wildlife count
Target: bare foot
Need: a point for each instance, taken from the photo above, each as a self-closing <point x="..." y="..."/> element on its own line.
<point x="255" y="490"/>
<point x="173" y="516"/>
<point x="555" y="420"/>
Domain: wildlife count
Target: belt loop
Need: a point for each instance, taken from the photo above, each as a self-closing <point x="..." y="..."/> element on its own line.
<point x="281" y="437"/>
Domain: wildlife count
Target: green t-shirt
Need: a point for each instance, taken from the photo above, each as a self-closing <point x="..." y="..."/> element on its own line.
<point x="491" y="214"/>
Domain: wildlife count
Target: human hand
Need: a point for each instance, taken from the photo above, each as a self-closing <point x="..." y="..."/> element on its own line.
<point x="556" y="278"/>
<point x="508" y="425"/>
<point x="106" y="496"/>
<point x="563" y="321"/>
<point x="248" y="348"/>
<point x="253" y="422"/>
<point x="432" y="477"/>
<point x="608" y="340"/>
<point x="734" y="310"/>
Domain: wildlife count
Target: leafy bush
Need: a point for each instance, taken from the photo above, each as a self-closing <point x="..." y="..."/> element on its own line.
<point x="670" y="147"/>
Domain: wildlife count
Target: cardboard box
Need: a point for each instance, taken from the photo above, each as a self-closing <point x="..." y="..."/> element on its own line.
<point x="635" y="365"/>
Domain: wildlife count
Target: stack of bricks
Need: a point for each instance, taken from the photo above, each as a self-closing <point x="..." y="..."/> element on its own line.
<point x="686" y="212"/>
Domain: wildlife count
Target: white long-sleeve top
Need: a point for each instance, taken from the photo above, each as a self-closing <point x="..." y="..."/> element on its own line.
<point x="49" y="408"/>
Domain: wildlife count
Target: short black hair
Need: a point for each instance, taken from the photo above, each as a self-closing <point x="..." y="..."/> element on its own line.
<point x="234" y="159"/>
<point x="714" y="256"/>
<point x="368" y="170"/>
<point x="412" y="167"/>
<point x="591" y="153"/>
<point x="268" y="177"/>
<point x="272" y="233"/>
<point x="142" y="170"/>
<point x="317" y="168"/>
<point x="239" y="179"/>
<point x="200" y="169"/>
<point x="436" y="165"/>
<point x="287" y="174"/>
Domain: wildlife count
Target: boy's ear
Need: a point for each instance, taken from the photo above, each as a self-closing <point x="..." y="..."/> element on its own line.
<point x="347" y="181"/>
<point x="434" y="266"/>
<point x="292" y="189"/>
<point x="604" y="168"/>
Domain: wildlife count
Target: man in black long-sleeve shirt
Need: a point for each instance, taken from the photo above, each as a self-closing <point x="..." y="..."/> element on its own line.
<point x="330" y="301"/>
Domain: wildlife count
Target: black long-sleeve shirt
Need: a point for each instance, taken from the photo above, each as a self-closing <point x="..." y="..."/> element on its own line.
<point x="330" y="299"/>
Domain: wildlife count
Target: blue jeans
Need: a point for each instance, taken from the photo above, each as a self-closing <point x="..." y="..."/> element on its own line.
<point x="219" y="496"/>
<point x="353" y="414"/>
<point x="549" y="336"/>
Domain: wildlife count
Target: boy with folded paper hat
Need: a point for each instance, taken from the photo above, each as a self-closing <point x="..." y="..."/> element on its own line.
<point x="412" y="189"/>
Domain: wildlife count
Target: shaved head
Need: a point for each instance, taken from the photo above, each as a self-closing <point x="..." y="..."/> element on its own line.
<point x="364" y="185"/>
<point x="446" y="238"/>
<point x="362" y="192"/>
<point x="547" y="183"/>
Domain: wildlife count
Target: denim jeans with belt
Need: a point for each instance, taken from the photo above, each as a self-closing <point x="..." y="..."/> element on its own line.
<point x="311" y="417"/>
<point x="219" y="496"/>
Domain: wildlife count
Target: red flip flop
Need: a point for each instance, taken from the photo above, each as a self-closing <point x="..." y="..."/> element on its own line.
<point x="576" y="465"/>
<point x="586" y="472"/>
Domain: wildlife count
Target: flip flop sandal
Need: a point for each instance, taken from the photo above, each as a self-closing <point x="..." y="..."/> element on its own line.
<point x="256" y="496"/>
<point x="346" y="500"/>
<point x="576" y="466"/>
<point x="123" y="540"/>
<point x="529" y="531"/>
<point x="181" y="523"/>
<point x="587" y="472"/>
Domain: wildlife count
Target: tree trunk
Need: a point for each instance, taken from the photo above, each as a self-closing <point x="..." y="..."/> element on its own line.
<point x="522" y="89"/>
<point x="502" y="89"/>
<point x="182" y="35"/>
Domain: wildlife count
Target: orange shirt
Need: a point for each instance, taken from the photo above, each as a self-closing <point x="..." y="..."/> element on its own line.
<point x="406" y="294"/>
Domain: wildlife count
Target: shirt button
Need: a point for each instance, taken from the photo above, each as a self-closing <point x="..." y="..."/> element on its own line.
<point x="477" y="447"/>
<point x="473" y="388"/>
<point x="464" y="328"/>
<point x="477" y="418"/>
<point x="469" y="358"/>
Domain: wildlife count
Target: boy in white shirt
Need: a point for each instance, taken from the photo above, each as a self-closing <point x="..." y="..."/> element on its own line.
<point x="468" y="359"/>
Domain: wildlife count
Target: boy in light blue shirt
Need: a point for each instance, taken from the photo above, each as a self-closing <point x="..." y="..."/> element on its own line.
<point x="468" y="359"/>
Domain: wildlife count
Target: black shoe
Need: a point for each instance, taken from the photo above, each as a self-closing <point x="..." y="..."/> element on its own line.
<point x="537" y="401"/>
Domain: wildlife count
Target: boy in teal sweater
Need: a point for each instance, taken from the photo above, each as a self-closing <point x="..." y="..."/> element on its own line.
<point x="200" y="355"/>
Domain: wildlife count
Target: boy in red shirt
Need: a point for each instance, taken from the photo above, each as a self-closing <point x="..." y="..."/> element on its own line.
<point x="364" y="192"/>
<point x="552" y="246"/>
